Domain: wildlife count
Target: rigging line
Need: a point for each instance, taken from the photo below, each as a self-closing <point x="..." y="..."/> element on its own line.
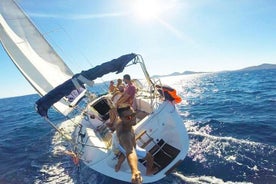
<point x="79" y="109"/>
<point x="93" y="146"/>
<point x="66" y="56"/>
<point x="73" y="61"/>
<point x="86" y="59"/>
<point x="77" y="48"/>
<point x="88" y="62"/>
<point x="68" y="138"/>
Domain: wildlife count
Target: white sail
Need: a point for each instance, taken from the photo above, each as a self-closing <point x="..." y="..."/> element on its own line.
<point x="30" y="52"/>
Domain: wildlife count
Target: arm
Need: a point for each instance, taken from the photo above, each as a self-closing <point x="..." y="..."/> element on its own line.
<point x="124" y="98"/>
<point x="127" y="144"/>
<point x="128" y="95"/>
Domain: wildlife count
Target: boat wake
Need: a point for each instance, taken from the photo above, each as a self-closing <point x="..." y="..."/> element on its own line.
<point x="216" y="156"/>
<point x="204" y="179"/>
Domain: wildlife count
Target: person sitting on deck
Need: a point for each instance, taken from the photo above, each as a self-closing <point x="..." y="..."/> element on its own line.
<point x="111" y="87"/>
<point x="127" y="96"/>
<point x="117" y="94"/>
<point x="129" y="93"/>
<point x="120" y="83"/>
<point x="127" y="144"/>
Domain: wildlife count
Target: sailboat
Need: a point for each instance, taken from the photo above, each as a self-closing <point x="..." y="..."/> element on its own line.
<point x="159" y="129"/>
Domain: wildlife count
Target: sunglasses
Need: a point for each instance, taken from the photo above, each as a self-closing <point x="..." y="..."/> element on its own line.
<point x="130" y="117"/>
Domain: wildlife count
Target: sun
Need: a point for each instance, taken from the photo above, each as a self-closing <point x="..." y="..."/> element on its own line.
<point x="148" y="9"/>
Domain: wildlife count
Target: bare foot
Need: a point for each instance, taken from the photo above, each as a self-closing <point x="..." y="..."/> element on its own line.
<point x="152" y="171"/>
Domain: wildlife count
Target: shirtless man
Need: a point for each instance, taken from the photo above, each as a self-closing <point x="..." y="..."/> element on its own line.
<point x="127" y="144"/>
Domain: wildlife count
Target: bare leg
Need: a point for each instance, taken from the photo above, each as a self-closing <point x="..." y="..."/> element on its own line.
<point x="150" y="169"/>
<point x="120" y="161"/>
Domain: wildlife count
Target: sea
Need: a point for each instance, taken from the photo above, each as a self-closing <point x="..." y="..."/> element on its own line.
<point x="231" y="123"/>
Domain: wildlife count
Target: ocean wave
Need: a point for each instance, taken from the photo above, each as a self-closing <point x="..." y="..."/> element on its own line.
<point x="242" y="157"/>
<point x="205" y="179"/>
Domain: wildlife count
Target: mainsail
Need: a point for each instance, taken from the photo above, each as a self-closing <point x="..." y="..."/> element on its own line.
<point x="30" y="52"/>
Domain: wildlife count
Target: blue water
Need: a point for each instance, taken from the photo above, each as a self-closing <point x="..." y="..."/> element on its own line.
<point x="230" y="118"/>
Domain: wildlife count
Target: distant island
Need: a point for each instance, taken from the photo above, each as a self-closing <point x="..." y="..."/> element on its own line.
<point x="264" y="66"/>
<point x="178" y="73"/>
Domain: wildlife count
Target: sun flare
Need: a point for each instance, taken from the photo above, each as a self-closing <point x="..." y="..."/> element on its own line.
<point x="148" y="9"/>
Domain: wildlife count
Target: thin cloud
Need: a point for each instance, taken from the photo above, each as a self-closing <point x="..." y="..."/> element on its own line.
<point x="77" y="17"/>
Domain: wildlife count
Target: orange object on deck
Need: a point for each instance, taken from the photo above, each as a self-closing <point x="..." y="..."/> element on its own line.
<point x="169" y="94"/>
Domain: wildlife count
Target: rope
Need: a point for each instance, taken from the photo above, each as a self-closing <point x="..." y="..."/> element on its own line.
<point x="68" y="138"/>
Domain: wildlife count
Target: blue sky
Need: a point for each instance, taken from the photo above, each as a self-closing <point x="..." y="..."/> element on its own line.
<point x="171" y="35"/>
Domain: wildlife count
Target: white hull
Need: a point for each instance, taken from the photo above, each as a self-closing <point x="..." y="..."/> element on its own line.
<point x="169" y="140"/>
